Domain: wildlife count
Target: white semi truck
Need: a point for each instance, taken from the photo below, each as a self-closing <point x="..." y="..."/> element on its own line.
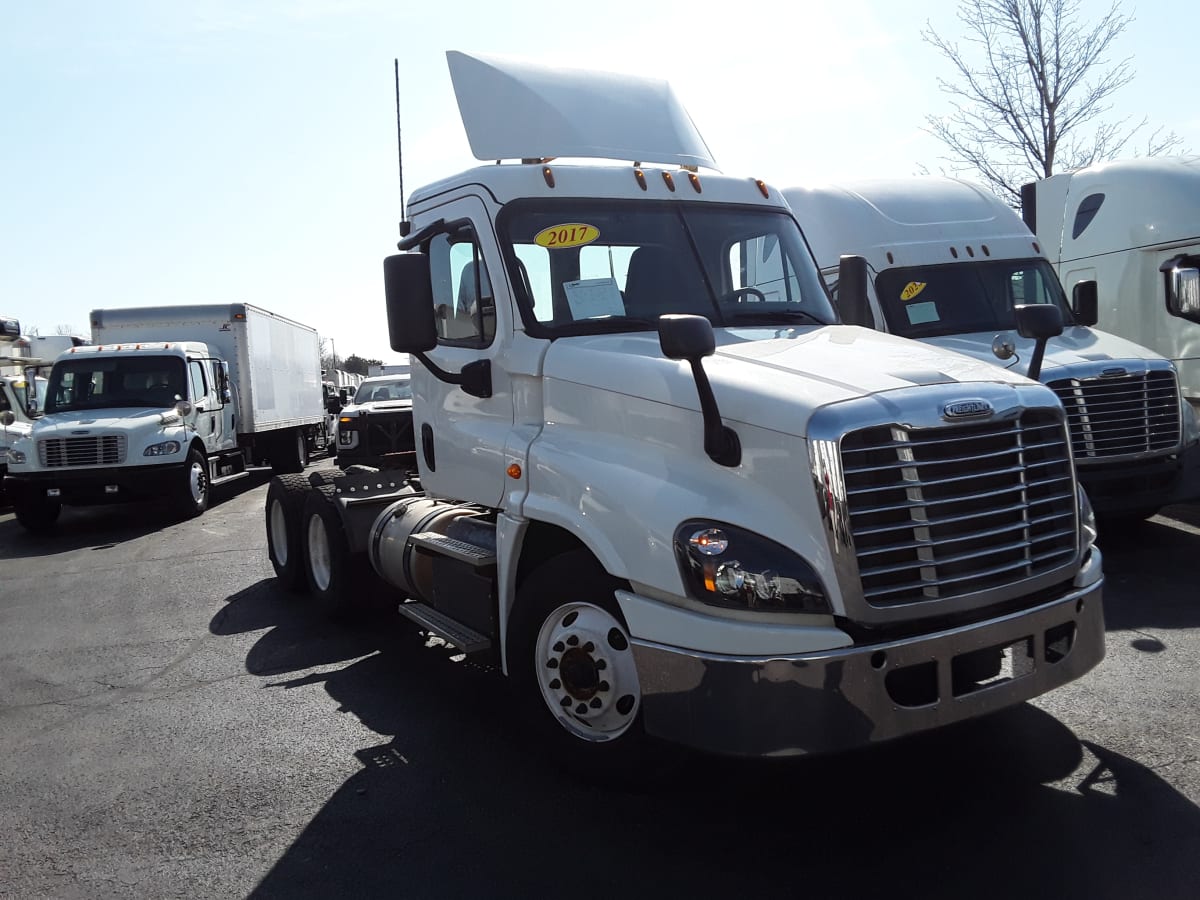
<point x="948" y="262"/>
<point x="1133" y="227"/>
<point x="667" y="507"/>
<point x="168" y="402"/>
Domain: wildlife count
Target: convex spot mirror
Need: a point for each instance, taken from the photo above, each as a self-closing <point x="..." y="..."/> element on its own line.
<point x="7" y="418"/>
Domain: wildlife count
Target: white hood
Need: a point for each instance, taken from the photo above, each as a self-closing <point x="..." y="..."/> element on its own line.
<point x="1075" y="346"/>
<point x="776" y="382"/>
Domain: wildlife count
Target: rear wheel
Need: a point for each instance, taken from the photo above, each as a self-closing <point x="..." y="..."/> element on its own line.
<point x="285" y="500"/>
<point x="329" y="568"/>
<point x="289" y="452"/>
<point x="571" y="662"/>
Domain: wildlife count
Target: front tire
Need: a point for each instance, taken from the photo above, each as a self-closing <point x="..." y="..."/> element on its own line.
<point x="36" y="514"/>
<point x="571" y="661"/>
<point x="191" y="495"/>
<point x="285" y="500"/>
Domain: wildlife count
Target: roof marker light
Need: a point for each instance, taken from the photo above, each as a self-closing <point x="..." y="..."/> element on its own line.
<point x="762" y="187"/>
<point x="954" y="252"/>
<point x="695" y="180"/>
<point x="670" y="181"/>
<point x="641" y="178"/>
<point x="548" y="175"/>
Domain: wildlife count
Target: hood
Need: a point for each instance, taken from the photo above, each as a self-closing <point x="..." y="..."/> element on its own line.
<point x="774" y="378"/>
<point x="1076" y="348"/>
<point x="376" y="406"/>
<point x="11" y="433"/>
<point x="98" y="420"/>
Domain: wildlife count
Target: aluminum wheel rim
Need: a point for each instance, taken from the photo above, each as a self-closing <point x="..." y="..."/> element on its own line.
<point x="318" y="554"/>
<point x="198" y="482"/>
<point x="585" y="670"/>
<point x="279" y="544"/>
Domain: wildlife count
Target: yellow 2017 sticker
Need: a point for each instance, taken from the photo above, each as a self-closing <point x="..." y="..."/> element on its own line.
<point x="573" y="234"/>
<point x="912" y="289"/>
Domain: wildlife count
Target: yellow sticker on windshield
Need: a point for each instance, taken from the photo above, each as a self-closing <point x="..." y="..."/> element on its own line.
<point x="912" y="289"/>
<point x="573" y="234"/>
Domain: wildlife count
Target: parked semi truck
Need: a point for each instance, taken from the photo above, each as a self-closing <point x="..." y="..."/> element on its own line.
<point x="1133" y="227"/>
<point x="167" y="403"/>
<point x="665" y="505"/>
<point x="948" y="264"/>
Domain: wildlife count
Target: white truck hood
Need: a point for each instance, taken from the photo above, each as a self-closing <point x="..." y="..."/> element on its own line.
<point x="65" y="424"/>
<point x="770" y="381"/>
<point x="1075" y="346"/>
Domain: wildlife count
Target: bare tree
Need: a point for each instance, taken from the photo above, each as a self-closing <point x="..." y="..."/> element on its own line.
<point x="1033" y="86"/>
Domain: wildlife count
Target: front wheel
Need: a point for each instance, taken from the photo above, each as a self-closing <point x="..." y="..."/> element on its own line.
<point x="571" y="660"/>
<point x="36" y="514"/>
<point x="191" y="495"/>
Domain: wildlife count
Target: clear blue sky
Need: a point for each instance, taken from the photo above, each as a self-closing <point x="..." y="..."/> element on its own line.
<point x="220" y="151"/>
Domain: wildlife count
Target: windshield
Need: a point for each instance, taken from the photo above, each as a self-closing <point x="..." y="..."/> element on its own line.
<point x="591" y="266"/>
<point x="84" y="382"/>
<point x="392" y="389"/>
<point x="926" y="301"/>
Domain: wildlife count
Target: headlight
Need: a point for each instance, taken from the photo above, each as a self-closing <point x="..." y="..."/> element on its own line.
<point x="16" y="456"/>
<point x="165" y="448"/>
<point x="1087" y="519"/>
<point x="724" y="565"/>
<point x="1191" y="431"/>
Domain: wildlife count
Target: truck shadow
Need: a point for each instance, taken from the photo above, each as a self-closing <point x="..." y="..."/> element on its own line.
<point x="1142" y="565"/>
<point x="454" y="800"/>
<point x="83" y="527"/>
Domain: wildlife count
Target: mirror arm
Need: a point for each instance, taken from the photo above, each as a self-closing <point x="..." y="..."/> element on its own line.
<point x="720" y="441"/>
<point x="475" y="377"/>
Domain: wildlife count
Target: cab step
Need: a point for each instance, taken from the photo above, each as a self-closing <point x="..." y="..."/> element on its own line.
<point x="449" y="630"/>
<point x="475" y="556"/>
<point x="225" y="479"/>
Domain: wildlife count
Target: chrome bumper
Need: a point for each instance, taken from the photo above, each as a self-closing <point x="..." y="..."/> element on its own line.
<point x="840" y="699"/>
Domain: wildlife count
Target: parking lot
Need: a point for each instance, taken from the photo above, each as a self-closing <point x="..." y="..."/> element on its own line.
<point x="173" y="724"/>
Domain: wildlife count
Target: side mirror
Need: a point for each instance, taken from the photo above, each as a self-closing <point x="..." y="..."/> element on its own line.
<point x="1182" y="288"/>
<point x="333" y="405"/>
<point x="183" y="408"/>
<point x="852" y="302"/>
<point x="686" y="337"/>
<point x="409" y="292"/>
<point x="691" y="338"/>
<point x="1040" y="321"/>
<point x="1085" y="303"/>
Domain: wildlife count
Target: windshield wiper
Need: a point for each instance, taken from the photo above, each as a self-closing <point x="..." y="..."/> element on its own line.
<point x="767" y="316"/>
<point x="607" y="324"/>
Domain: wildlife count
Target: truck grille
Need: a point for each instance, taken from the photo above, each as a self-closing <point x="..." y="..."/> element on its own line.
<point x="1122" y="415"/>
<point x="389" y="433"/>
<point x="105" y="450"/>
<point x="941" y="512"/>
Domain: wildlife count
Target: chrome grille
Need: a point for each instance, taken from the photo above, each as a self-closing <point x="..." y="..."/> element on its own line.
<point x="1119" y="416"/>
<point x="947" y="511"/>
<point x="108" y="449"/>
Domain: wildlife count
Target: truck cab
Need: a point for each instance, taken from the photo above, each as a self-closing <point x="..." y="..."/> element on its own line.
<point x="949" y="265"/>
<point x="662" y="487"/>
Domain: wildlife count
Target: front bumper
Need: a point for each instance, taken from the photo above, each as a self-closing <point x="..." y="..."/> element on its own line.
<point x="84" y="487"/>
<point x="841" y="699"/>
<point x="1141" y="485"/>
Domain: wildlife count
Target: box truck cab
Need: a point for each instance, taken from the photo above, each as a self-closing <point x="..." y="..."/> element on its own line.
<point x="949" y="264"/>
<point x="1133" y="227"/>
<point x="167" y="403"/>
<point x="660" y="484"/>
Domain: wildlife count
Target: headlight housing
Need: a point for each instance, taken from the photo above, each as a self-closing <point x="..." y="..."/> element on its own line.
<point x="16" y="456"/>
<point x="163" y="448"/>
<point x="1087" y="520"/>
<point x="723" y="565"/>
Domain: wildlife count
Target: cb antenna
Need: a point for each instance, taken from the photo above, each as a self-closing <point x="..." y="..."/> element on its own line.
<point x="404" y="225"/>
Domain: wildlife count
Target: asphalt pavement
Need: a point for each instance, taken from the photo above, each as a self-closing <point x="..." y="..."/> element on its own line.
<point x="173" y="724"/>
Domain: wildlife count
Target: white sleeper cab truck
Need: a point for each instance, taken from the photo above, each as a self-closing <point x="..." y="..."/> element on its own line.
<point x="1133" y="227"/>
<point x="168" y="402"/>
<point x="949" y="263"/>
<point x="660" y="484"/>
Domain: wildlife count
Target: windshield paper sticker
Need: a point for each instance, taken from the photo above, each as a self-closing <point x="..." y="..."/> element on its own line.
<point x="912" y="289"/>
<point x="573" y="234"/>
<point x="591" y="298"/>
<point x="921" y="313"/>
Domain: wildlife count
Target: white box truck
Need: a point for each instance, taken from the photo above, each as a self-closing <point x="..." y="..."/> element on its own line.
<point x="665" y="509"/>
<point x="948" y="263"/>
<point x="166" y="403"/>
<point x="1133" y="227"/>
